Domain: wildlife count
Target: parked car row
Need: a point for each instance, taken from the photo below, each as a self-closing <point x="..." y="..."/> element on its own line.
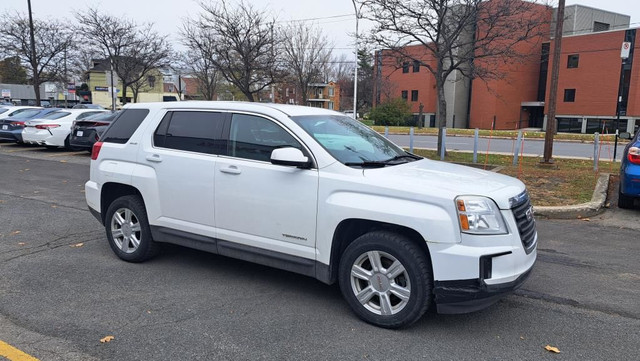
<point x="54" y="127"/>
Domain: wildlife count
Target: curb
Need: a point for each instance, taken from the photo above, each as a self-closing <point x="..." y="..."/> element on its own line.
<point x="588" y="209"/>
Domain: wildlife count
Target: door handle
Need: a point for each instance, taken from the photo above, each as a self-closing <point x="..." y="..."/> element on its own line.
<point x="154" y="158"/>
<point x="232" y="169"/>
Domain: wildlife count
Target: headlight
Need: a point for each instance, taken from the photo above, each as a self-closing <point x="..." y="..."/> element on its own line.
<point x="479" y="215"/>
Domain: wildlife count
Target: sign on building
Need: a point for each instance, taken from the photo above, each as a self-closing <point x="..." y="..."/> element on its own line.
<point x="6" y="93"/>
<point x="626" y="47"/>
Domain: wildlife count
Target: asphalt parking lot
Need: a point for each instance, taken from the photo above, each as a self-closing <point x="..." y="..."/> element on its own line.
<point x="62" y="290"/>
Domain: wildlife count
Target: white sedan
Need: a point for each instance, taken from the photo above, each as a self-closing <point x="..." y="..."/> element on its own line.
<point x="53" y="129"/>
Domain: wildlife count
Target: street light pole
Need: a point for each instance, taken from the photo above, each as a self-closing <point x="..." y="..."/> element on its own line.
<point x="355" y="73"/>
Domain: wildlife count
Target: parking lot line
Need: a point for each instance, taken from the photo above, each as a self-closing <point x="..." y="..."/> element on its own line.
<point x="65" y="153"/>
<point x="13" y="354"/>
<point x="21" y="150"/>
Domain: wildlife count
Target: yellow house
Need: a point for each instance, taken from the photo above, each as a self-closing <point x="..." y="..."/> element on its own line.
<point x="99" y="82"/>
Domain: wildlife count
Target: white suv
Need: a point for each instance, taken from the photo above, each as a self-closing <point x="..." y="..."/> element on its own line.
<point x="315" y="192"/>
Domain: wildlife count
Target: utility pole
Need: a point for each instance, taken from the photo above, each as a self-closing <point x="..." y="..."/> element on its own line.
<point x="66" y="81"/>
<point x="32" y="58"/>
<point x="113" y="88"/>
<point x="553" y="92"/>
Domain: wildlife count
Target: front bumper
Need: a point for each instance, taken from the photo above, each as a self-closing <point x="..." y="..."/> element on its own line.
<point x="463" y="296"/>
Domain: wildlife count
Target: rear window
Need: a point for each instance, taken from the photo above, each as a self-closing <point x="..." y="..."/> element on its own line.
<point x="24" y="113"/>
<point x="55" y="115"/>
<point x="3" y="110"/>
<point x="123" y="127"/>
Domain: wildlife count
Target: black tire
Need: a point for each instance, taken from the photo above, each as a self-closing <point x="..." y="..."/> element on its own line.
<point x="625" y="202"/>
<point x="137" y="230"/>
<point x="416" y="277"/>
<point x="67" y="144"/>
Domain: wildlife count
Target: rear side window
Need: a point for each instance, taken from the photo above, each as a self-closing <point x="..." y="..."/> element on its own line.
<point x="192" y="131"/>
<point x="123" y="127"/>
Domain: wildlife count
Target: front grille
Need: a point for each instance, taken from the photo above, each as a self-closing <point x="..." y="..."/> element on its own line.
<point x="523" y="213"/>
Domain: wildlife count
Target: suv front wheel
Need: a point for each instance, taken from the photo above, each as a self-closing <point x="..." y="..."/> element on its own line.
<point x="128" y="229"/>
<point x="386" y="279"/>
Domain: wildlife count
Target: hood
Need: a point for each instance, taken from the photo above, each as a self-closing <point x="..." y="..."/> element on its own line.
<point x="448" y="180"/>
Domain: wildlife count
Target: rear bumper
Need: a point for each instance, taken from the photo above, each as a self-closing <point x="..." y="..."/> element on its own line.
<point x="463" y="296"/>
<point x="11" y="135"/>
<point x="630" y="180"/>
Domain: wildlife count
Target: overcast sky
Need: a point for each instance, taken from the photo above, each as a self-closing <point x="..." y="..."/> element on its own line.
<point x="331" y="15"/>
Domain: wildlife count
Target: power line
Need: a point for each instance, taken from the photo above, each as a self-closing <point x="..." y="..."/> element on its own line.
<point x="318" y="18"/>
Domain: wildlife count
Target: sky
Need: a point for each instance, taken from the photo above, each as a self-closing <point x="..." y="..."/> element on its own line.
<point x="335" y="17"/>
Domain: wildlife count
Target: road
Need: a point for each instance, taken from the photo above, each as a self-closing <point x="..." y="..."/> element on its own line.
<point x="62" y="290"/>
<point x="531" y="147"/>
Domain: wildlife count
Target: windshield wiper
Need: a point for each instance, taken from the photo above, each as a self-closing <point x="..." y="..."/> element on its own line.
<point x="403" y="156"/>
<point x="367" y="164"/>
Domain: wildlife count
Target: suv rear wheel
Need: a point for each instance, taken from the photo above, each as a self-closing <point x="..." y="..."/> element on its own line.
<point x="128" y="229"/>
<point x="386" y="279"/>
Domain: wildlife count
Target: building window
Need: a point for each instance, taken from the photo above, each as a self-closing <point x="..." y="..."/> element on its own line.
<point x="405" y="93"/>
<point x="286" y="92"/>
<point x="414" y="95"/>
<point x="569" y="95"/>
<point x="598" y="26"/>
<point x="416" y="66"/>
<point x="572" y="60"/>
<point x="331" y="92"/>
<point x="331" y="105"/>
<point x="405" y="67"/>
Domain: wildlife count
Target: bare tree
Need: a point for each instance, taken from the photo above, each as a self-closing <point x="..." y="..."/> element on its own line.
<point x="133" y="50"/>
<point x="243" y="41"/>
<point x="472" y="37"/>
<point x="44" y="59"/>
<point x="199" y="59"/>
<point x="306" y="52"/>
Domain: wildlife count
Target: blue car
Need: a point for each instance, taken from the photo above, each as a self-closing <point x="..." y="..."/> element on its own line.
<point x="11" y="127"/>
<point x="630" y="173"/>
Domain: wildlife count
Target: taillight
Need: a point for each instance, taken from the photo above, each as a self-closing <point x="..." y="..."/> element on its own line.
<point x="47" y="126"/>
<point x="634" y="155"/>
<point x="17" y="124"/>
<point x="95" y="151"/>
<point x="98" y="124"/>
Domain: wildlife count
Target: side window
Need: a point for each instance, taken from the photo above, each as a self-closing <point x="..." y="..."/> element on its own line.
<point x="253" y="137"/>
<point x="191" y="131"/>
<point x="124" y="125"/>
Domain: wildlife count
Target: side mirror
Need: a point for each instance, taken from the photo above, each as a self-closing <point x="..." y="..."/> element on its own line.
<point x="625" y="135"/>
<point x="290" y="156"/>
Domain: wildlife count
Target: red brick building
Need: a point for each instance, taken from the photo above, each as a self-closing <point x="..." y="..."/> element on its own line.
<point x="592" y="77"/>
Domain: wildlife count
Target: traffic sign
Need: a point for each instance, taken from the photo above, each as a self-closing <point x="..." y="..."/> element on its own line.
<point x="626" y="48"/>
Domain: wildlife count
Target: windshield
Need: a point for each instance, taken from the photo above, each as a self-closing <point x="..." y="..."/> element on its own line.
<point x="55" y="115"/>
<point x="348" y="140"/>
<point x="25" y="113"/>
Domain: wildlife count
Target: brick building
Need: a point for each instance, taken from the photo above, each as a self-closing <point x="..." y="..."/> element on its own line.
<point x="592" y="77"/>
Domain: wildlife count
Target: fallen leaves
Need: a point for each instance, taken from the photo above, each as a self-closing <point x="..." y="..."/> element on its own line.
<point x="21" y="244"/>
<point x="552" y="349"/>
<point x="77" y="245"/>
<point x="106" y="339"/>
<point x="14" y="233"/>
